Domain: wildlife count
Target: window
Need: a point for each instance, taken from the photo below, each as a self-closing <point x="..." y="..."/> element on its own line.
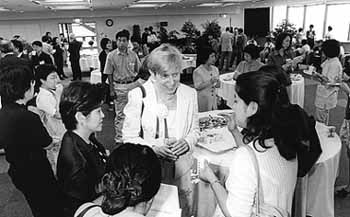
<point x="296" y="16"/>
<point x="339" y="18"/>
<point x="315" y="16"/>
<point x="279" y="14"/>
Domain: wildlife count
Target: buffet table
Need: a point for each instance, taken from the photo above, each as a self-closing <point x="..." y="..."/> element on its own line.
<point x="315" y="194"/>
<point x="228" y="85"/>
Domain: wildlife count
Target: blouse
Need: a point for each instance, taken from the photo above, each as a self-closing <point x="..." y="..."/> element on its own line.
<point x="207" y="99"/>
<point x="278" y="179"/>
<point x="326" y="97"/>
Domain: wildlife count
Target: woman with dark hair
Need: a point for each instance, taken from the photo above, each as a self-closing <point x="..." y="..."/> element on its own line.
<point x="58" y="56"/>
<point x="206" y="80"/>
<point x="25" y="139"/>
<point x="250" y="63"/>
<point x="106" y="46"/>
<point x="136" y="34"/>
<point x="132" y="179"/>
<point x="273" y="135"/>
<point x="283" y="54"/>
<point x="81" y="160"/>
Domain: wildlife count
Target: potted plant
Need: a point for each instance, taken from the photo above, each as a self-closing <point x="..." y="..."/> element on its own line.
<point x="191" y="32"/>
<point x="212" y="28"/>
<point x="285" y="26"/>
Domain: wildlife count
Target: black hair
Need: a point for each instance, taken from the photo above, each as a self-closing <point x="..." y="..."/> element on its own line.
<point x="54" y="43"/>
<point x="17" y="44"/>
<point x="203" y="56"/>
<point x="280" y="38"/>
<point x="133" y="175"/>
<point x="123" y="33"/>
<point x="81" y="97"/>
<point x="240" y="30"/>
<point x="304" y="42"/>
<point x="227" y="29"/>
<point x="331" y="48"/>
<point x="311" y="26"/>
<point x="282" y="77"/>
<point x="41" y="72"/>
<point x="37" y="43"/>
<point x="6" y="46"/>
<point x="104" y="42"/>
<point x="45" y="38"/>
<point x="272" y="119"/>
<point x="14" y="82"/>
<point x="330" y="28"/>
<point x="300" y="29"/>
<point x="252" y="50"/>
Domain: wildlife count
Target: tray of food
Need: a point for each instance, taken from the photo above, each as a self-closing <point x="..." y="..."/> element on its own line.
<point x="211" y="122"/>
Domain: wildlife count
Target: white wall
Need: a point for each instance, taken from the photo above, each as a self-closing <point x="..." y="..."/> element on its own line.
<point x="34" y="25"/>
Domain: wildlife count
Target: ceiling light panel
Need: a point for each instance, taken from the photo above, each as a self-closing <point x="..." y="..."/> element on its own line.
<point x="159" y="1"/>
<point x="210" y="4"/>
<point x="147" y="5"/>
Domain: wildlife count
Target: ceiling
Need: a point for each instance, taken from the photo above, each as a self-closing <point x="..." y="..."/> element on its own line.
<point x="20" y="6"/>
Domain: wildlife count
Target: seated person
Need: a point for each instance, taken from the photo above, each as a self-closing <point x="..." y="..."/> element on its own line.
<point x="82" y="159"/>
<point x="250" y="63"/>
<point x="131" y="181"/>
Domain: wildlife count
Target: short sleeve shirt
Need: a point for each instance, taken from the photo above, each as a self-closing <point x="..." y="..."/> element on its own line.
<point x="123" y="66"/>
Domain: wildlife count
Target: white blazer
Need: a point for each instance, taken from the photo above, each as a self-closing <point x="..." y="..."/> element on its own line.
<point x="187" y="124"/>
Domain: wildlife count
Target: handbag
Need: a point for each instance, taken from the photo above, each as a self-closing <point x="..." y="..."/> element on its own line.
<point x="260" y="208"/>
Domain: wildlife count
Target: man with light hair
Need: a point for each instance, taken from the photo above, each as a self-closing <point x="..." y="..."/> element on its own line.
<point x="74" y="56"/>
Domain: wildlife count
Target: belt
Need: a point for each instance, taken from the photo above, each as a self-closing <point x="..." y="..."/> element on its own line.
<point x="124" y="82"/>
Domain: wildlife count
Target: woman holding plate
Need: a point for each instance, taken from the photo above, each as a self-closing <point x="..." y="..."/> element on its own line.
<point x="162" y="114"/>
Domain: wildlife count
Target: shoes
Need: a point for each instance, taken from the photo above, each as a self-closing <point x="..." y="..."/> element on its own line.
<point x="342" y="193"/>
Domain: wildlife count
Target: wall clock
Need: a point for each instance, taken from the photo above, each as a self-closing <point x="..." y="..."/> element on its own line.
<point x="109" y="22"/>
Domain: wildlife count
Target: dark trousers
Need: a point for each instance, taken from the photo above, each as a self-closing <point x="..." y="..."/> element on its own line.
<point x="225" y="55"/>
<point x="106" y="86"/>
<point x="41" y="192"/>
<point x="76" y="69"/>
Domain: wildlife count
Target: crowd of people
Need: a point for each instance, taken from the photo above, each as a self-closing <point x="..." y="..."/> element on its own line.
<point x="156" y="122"/>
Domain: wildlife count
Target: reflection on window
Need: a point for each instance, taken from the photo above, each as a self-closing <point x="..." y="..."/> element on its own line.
<point x="315" y="16"/>
<point x="339" y="18"/>
<point x="279" y="14"/>
<point x="296" y="16"/>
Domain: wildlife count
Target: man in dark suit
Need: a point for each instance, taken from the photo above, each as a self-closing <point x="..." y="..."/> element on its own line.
<point x="74" y="56"/>
<point x="40" y="56"/>
<point x="18" y="49"/>
<point x="9" y="57"/>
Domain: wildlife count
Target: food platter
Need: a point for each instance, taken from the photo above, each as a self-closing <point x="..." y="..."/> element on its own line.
<point x="212" y="122"/>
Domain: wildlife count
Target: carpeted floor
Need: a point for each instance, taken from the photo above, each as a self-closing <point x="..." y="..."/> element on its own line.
<point x="12" y="203"/>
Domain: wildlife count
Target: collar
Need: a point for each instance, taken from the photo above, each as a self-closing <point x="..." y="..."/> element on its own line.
<point x="47" y="91"/>
<point x="121" y="53"/>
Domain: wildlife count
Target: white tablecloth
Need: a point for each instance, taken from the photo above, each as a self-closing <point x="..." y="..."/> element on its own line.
<point x="316" y="195"/>
<point x="190" y="61"/>
<point x="227" y="87"/>
<point x="95" y="76"/>
<point x="315" y="192"/>
<point x="87" y="62"/>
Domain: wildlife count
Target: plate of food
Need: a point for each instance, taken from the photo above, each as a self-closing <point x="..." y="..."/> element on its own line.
<point x="227" y="77"/>
<point x="217" y="140"/>
<point x="211" y="122"/>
